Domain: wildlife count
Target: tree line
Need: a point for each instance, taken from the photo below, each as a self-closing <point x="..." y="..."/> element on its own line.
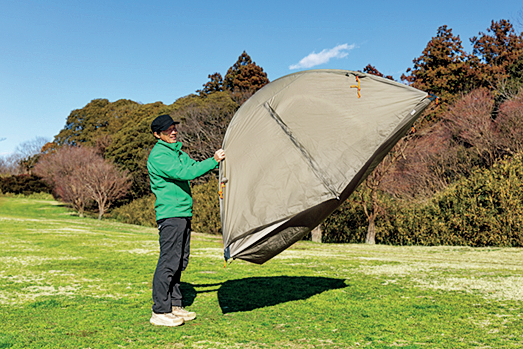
<point x="476" y="124"/>
<point x="112" y="140"/>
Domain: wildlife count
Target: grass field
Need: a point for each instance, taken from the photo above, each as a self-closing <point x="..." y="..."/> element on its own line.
<point x="70" y="282"/>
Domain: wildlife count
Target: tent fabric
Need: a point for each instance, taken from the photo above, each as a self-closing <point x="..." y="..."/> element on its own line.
<point x="299" y="147"/>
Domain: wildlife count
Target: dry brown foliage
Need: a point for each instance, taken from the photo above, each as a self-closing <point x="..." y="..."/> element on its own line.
<point x="80" y="175"/>
<point x="471" y="134"/>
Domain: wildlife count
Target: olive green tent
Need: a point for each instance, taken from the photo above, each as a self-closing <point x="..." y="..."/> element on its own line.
<point x="299" y="147"/>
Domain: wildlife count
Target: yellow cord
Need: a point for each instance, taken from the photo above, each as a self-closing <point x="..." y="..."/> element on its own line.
<point x="221" y="190"/>
<point x="357" y="86"/>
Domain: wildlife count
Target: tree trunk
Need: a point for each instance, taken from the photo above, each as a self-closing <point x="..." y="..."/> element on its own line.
<point x="371" y="231"/>
<point x="102" y="205"/>
<point x="316" y="234"/>
<point x="101" y="210"/>
<point x="79" y="206"/>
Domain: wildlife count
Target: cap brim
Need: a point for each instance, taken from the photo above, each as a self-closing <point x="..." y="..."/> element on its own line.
<point x="166" y="128"/>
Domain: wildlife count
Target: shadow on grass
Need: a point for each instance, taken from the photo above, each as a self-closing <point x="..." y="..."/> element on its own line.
<point x="258" y="292"/>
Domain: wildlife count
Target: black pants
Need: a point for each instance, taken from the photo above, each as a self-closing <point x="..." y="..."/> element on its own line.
<point x="175" y="236"/>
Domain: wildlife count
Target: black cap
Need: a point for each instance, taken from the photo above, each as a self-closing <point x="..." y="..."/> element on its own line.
<point x="162" y="123"/>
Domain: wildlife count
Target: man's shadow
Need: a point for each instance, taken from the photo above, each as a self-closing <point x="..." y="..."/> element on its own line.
<point x="258" y="292"/>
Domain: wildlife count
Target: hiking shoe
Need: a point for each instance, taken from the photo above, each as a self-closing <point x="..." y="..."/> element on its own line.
<point x="184" y="314"/>
<point x="167" y="319"/>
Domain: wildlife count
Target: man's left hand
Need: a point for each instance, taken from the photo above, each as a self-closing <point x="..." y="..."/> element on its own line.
<point x="219" y="155"/>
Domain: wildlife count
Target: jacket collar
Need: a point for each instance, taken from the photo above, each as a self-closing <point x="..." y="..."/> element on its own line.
<point x="173" y="146"/>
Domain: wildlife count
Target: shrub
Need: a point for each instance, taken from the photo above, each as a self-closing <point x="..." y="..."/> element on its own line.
<point x="139" y="212"/>
<point x="484" y="209"/>
<point x="348" y="224"/>
<point x="510" y="124"/>
<point x="23" y="184"/>
<point x="36" y="196"/>
<point x="206" y="208"/>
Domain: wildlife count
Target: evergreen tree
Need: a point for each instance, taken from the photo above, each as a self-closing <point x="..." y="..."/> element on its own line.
<point x="444" y="68"/>
<point x="244" y="76"/>
<point x="130" y="145"/>
<point x="98" y="118"/>
<point x="215" y="84"/>
<point x="370" y="69"/>
<point x="498" y="50"/>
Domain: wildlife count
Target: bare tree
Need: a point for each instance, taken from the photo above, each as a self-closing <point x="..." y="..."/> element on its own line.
<point x="241" y="96"/>
<point x="28" y="153"/>
<point x="202" y="131"/>
<point x="104" y="183"/>
<point x="371" y="204"/>
<point x="422" y="170"/>
<point x="468" y="136"/>
<point x="9" y="165"/>
<point x="509" y="123"/>
<point x="204" y="123"/>
<point x="470" y="121"/>
<point x="31" y="147"/>
<point x="81" y="174"/>
<point x="62" y="168"/>
<point x="72" y="190"/>
<point x="508" y="89"/>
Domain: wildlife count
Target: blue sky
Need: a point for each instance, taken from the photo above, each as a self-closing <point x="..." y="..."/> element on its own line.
<point x="58" y="55"/>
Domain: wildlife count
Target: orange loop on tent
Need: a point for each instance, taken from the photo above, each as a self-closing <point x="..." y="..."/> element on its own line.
<point x="222" y="185"/>
<point x="433" y="97"/>
<point x="357" y="86"/>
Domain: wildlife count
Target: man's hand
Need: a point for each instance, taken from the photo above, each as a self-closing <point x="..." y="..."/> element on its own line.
<point x="219" y="155"/>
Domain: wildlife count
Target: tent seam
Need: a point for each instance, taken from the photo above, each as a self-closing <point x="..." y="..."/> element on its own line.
<point x="310" y="160"/>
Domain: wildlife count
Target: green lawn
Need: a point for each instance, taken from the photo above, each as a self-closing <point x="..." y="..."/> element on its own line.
<point x="70" y="282"/>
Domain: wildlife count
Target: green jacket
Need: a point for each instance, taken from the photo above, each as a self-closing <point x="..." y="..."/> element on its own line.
<point x="170" y="171"/>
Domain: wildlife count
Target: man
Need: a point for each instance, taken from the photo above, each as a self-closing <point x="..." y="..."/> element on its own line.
<point x="170" y="171"/>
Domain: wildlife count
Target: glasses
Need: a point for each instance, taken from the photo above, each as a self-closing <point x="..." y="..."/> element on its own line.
<point x="171" y="129"/>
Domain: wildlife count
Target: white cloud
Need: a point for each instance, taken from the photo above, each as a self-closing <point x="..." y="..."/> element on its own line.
<point x="324" y="56"/>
